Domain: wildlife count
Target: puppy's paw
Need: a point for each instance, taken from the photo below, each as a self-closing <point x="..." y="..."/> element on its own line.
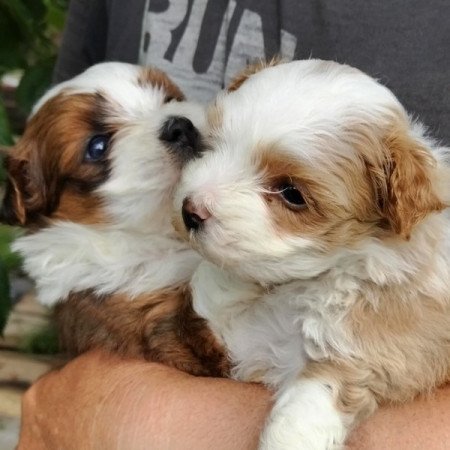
<point x="304" y="417"/>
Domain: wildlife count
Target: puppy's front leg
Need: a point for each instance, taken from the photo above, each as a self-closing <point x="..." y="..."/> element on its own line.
<point x="304" y="417"/>
<point x="317" y="411"/>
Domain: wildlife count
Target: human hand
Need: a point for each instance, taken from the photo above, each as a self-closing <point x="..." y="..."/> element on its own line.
<point x="99" y="401"/>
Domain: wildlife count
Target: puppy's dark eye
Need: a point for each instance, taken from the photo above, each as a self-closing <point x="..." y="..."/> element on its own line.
<point x="96" y="148"/>
<point x="291" y="195"/>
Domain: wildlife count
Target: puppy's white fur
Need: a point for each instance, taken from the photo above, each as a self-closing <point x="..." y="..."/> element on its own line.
<point x="287" y="305"/>
<point x="69" y="257"/>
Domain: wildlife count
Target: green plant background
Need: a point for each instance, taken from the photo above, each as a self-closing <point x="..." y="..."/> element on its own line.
<point x="30" y="32"/>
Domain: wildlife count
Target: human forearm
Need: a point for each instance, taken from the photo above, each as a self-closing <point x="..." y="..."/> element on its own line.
<point x="419" y="425"/>
<point x="102" y="402"/>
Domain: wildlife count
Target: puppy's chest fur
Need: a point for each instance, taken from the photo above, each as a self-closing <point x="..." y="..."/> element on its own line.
<point x="68" y="257"/>
<point x="270" y="335"/>
<point x="395" y="339"/>
<point x="124" y="292"/>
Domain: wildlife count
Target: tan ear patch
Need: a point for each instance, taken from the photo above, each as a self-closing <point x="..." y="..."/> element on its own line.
<point x="214" y="116"/>
<point x="155" y="77"/>
<point x="13" y="209"/>
<point x="410" y="193"/>
<point x="18" y="205"/>
<point x="250" y="70"/>
<point x="14" y="204"/>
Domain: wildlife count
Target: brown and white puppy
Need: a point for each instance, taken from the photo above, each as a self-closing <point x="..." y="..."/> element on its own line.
<point x="92" y="179"/>
<point x="323" y="208"/>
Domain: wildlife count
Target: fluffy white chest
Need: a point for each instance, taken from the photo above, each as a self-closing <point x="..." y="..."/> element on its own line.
<point x="270" y="336"/>
<point x="68" y="257"/>
<point x="266" y="344"/>
<point x="264" y="339"/>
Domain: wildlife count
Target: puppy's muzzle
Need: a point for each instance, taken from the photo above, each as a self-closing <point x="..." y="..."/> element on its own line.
<point x="194" y="216"/>
<point x="182" y="138"/>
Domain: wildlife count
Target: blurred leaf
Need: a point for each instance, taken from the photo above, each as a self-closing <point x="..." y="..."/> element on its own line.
<point x="34" y="83"/>
<point x="30" y="35"/>
<point x="5" y="302"/>
<point x="56" y="18"/>
<point x="56" y="14"/>
<point x="43" y="341"/>
<point x="9" y="259"/>
<point x="62" y="4"/>
<point x="2" y="172"/>
<point x="12" y="49"/>
<point x="5" y="130"/>
<point x="21" y="16"/>
<point x="37" y="8"/>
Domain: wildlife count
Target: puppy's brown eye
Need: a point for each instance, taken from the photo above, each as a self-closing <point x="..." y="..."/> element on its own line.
<point x="291" y="195"/>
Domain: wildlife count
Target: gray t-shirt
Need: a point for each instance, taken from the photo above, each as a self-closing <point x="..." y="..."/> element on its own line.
<point x="201" y="44"/>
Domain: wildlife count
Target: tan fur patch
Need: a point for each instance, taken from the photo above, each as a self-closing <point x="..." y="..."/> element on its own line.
<point x="178" y="225"/>
<point x="348" y="383"/>
<point x="214" y="117"/>
<point x="401" y="171"/>
<point x="17" y="202"/>
<point x="410" y="196"/>
<point x="155" y="77"/>
<point x="278" y="169"/>
<point x="80" y="208"/>
<point x="401" y="341"/>
<point x="385" y="187"/>
<point x="322" y="217"/>
<point x="160" y="326"/>
<point x="250" y="70"/>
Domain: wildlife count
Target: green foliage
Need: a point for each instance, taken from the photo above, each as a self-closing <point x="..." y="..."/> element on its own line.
<point x="30" y="29"/>
<point x="8" y="261"/>
<point x="29" y="32"/>
<point x="43" y="341"/>
<point x="34" y="83"/>
<point x="5" y="302"/>
<point x="5" y="133"/>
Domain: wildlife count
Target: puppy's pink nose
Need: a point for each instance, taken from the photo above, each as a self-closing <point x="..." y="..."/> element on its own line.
<point x="193" y="216"/>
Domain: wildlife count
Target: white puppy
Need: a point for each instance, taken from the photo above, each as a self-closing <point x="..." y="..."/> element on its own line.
<point x="321" y="204"/>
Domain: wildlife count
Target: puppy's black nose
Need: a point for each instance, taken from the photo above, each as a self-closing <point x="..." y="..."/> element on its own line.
<point x="183" y="139"/>
<point x="193" y="216"/>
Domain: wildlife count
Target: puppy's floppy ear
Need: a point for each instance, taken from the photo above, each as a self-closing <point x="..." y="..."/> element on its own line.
<point x="24" y="191"/>
<point x="13" y="211"/>
<point x="250" y="70"/>
<point x="409" y="194"/>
